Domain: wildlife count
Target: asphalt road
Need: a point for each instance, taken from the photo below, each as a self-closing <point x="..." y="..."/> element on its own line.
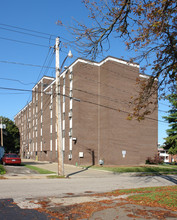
<point x="31" y="188"/>
<point x="16" y="193"/>
<point x="79" y="181"/>
<point x="9" y="210"/>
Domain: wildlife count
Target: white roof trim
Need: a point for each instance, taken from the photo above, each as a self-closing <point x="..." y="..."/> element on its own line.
<point x="49" y="85"/>
<point x="146" y="77"/>
<point x="101" y="63"/>
<point x="143" y="76"/>
<point x="23" y="109"/>
<point x="119" y="61"/>
<point x="45" y="77"/>
<point x="87" y="62"/>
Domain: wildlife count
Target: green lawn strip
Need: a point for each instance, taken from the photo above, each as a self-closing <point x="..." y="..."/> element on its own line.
<point x="168" y="166"/>
<point x="2" y="170"/>
<point x="149" y="169"/>
<point x="165" y="199"/>
<point x="153" y="196"/>
<point x="148" y="189"/>
<point x="39" y="170"/>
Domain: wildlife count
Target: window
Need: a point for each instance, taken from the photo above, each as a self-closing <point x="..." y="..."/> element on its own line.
<point x="63" y="133"/>
<point x="50" y="145"/>
<point x="70" y="122"/>
<point x="71" y="104"/>
<point x="56" y="144"/>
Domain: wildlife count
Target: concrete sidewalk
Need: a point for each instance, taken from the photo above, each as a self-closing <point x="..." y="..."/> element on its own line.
<point x="63" y="195"/>
<point x="69" y="170"/>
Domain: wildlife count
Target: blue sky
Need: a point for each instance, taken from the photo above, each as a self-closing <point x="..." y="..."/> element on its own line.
<point x="41" y="16"/>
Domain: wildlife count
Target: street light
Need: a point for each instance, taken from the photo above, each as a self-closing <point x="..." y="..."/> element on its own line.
<point x="58" y="108"/>
<point x="70" y="55"/>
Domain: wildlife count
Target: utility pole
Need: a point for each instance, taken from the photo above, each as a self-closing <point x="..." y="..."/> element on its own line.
<point x="1" y="133"/>
<point x="58" y="112"/>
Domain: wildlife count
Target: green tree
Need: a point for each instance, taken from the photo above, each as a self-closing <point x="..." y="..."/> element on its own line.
<point x="11" y="136"/>
<point x="148" y="27"/>
<point x="171" y="139"/>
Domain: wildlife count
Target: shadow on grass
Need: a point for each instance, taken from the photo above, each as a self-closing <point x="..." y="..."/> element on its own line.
<point x="80" y="171"/>
<point x="172" y="179"/>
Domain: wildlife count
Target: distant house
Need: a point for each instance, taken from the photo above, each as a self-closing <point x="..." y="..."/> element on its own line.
<point x="168" y="158"/>
<point x="95" y="105"/>
<point x="164" y="154"/>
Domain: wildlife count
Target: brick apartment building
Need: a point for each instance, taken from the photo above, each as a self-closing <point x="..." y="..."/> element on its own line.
<point x="94" y="103"/>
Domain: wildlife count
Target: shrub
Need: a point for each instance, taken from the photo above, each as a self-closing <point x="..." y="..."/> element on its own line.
<point x="155" y="160"/>
<point x="2" y="170"/>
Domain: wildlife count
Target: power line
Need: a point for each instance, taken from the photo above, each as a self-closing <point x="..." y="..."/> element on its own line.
<point x="24" y="42"/>
<point x="30" y="30"/>
<point x="24" y="33"/>
<point x="34" y="31"/>
<point x="42" y="67"/>
<point x="78" y="74"/>
<point x="82" y="77"/>
<point x="164" y="104"/>
<point x="86" y="77"/>
<point x="16" y="80"/>
<point x="12" y="93"/>
<point x="25" y="64"/>
<point x="82" y="100"/>
<point x="47" y="66"/>
<point x="79" y="90"/>
<point x="14" y="89"/>
<point x="119" y="110"/>
<point x="163" y="111"/>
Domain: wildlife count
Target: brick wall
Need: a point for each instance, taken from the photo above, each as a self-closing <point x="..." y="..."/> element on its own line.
<point x="94" y="107"/>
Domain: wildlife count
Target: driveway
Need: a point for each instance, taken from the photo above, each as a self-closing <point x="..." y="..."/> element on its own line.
<point x="12" y="170"/>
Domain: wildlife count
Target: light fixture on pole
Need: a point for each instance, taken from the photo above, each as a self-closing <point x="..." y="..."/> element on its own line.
<point x="58" y="108"/>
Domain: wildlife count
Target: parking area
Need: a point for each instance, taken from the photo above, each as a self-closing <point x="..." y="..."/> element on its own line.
<point x="14" y="170"/>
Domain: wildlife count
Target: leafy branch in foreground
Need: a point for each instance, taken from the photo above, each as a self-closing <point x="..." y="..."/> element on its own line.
<point x="147" y="27"/>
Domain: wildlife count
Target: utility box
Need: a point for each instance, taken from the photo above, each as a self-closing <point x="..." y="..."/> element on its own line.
<point x="1" y="152"/>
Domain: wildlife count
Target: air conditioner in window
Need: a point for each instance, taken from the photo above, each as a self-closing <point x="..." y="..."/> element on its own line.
<point x="70" y="133"/>
<point x="70" y="156"/>
<point x="70" y="76"/>
<point x="50" y="107"/>
<point x="70" y="114"/>
<point x="70" y="93"/>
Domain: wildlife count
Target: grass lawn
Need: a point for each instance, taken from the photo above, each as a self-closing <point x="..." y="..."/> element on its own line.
<point x="2" y="170"/>
<point x="39" y="170"/>
<point x="157" y="197"/>
<point x="165" y="197"/>
<point x="158" y="169"/>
